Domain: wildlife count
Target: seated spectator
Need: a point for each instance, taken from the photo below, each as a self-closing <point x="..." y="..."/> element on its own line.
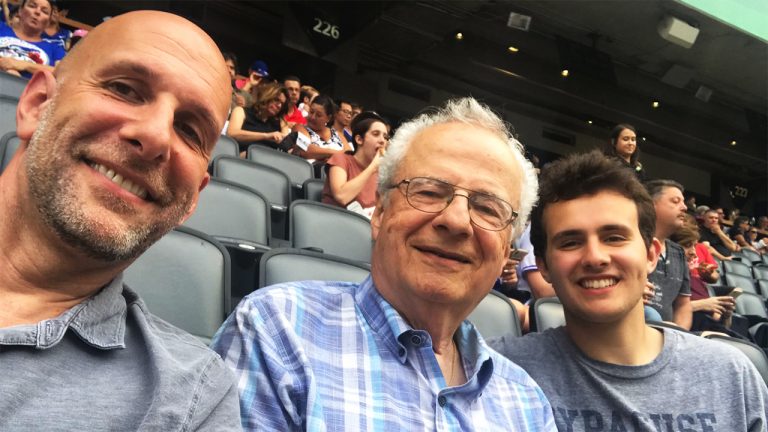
<point x="342" y="119"/>
<point x="54" y="33"/>
<point x="394" y="352"/>
<point x="114" y="150"/>
<point x="351" y="181"/>
<point x="760" y="245"/>
<point x="738" y="233"/>
<point x="231" y="61"/>
<point x="257" y="74"/>
<point x="294" y="116"/>
<point x="712" y="235"/>
<point x="762" y="226"/>
<point x="623" y="146"/>
<point x="259" y="123"/>
<point x="606" y="370"/>
<point x="356" y="109"/>
<point x="22" y="48"/>
<point x="316" y="140"/>
<point x="307" y="95"/>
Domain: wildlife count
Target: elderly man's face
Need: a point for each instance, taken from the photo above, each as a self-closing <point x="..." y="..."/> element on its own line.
<point x="120" y="153"/>
<point x="442" y="258"/>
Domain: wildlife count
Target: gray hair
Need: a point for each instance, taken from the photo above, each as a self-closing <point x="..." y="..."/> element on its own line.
<point x="469" y="111"/>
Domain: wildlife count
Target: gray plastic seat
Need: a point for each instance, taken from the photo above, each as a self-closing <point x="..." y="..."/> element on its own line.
<point x="9" y="144"/>
<point x="760" y="271"/>
<point x="752" y="256"/>
<point x="546" y="313"/>
<point x="751" y="304"/>
<point x="313" y="189"/>
<point x="496" y="316"/>
<point x="290" y="265"/>
<point x="738" y="268"/>
<point x="270" y="182"/>
<point x="331" y="229"/>
<point x="225" y="146"/>
<point x="296" y="168"/>
<point x="746" y="283"/>
<point x="11" y="88"/>
<point x="184" y="279"/>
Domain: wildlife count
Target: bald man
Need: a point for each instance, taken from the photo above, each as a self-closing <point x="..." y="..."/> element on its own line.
<point x="114" y="153"/>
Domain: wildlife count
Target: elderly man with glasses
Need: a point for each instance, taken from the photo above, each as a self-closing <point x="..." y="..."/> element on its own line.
<point x="394" y="352"/>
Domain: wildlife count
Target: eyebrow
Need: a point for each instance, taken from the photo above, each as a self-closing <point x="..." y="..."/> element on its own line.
<point x="189" y="106"/>
<point x="602" y="230"/>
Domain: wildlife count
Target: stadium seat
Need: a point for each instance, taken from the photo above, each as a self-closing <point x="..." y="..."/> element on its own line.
<point x="738" y="268"/>
<point x="760" y="271"/>
<point x="755" y="354"/>
<point x="331" y="229"/>
<point x="546" y="313"/>
<point x="313" y="189"/>
<point x="752" y="256"/>
<point x="270" y="182"/>
<point x="762" y="284"/>
<point x="296" y="168"/>
<point x="184" y="279"/>
<point x="11" y="88"/>
<point x="290" y="265"/>
<point x="496" y="316"/>
<point x="746" y="283"/>
<point x="751" y="304"/>
<point x="226" y="146"/>
<point x="239" y="218"/>
<point x="9" y="143"/>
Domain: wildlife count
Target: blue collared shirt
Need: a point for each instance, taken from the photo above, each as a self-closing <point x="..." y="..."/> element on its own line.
<point x="335" y="356"/>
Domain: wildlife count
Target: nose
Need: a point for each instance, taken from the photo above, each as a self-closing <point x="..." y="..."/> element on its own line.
<point x="594" y="254"/>
<point x="455" y="218"/>
<point x="150" y="129"/>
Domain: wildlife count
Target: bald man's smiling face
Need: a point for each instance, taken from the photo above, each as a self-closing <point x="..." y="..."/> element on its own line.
<point x="121" y="150"/>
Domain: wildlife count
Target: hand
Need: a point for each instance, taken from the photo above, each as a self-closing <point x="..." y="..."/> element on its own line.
<point x="648" y="292"/>
<point x="240" y="100"/>
<point x="705" y="270"/>
<point x="377" y="158"/>
<point x="275" y="136"/>
<point x="720" y="305"/>
<point x="509" y="272"/>
<point x="12" y="65"/>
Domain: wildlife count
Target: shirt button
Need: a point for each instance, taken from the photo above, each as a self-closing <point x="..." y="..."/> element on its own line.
<point x="416" y="340"/>
<point x="441" y="400"/>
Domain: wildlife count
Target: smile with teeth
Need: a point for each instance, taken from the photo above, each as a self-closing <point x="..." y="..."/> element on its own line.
<point x="117" y="179"/>
<point x="598" y="283"/>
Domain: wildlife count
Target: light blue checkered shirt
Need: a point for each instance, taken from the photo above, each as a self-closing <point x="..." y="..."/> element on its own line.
<point x="335" y="356"/>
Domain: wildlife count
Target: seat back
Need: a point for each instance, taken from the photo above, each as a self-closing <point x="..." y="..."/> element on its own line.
<point x="230" y="210"/>
<point x="750" y="304"/>
<point x="754" y="353"/>
<point x="752" y="256"/>
<point x="11" y="88"/>
<point x="290" y="265"/>
<point x="763" y="285"/>
<point x="746" y="283"/>
<point x="184" y="279"/>
<point x="226" y="146"/>
<point x="333" y="229"/>
<point x="738" y="268"/>
<point x="496" y="316"/>
<point x="296" y="168"/>
<point x="271" y="183"/>
<point x="313" y="189"/>
<point x="9" y="144"/>
<point x="546" y="313"/>
<point x="760" y="271"/>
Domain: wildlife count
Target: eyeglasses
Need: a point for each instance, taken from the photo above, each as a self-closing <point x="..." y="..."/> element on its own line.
<point x="346" y="112"/>
<point x="433" y="196"/>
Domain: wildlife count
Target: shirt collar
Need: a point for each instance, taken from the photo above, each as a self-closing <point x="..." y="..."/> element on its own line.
<point x="99" y="321"/>
<point x="387" y="322"/>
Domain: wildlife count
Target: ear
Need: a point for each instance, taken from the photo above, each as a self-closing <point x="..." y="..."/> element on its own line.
<point x="654" y="250"/>
<point x="542" y="265"/>
<point x="377" y="216"/>
<point x="33" y="101"/>
<point x="358" y="140"/>
<point x="192" y="208"/>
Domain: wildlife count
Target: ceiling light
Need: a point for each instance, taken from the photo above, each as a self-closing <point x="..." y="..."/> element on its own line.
<point x="733" y="142"/>
<point x="513" y="49"/>
<point x="564" y="73"/>
<point x="655" y="104"/>
<point x="643" y="138"/>
<point x="459" y="36"/>
<point x="589" y="121"/>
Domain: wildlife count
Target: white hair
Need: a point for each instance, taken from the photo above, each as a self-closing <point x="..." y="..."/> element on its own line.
<point x="469" y="111"/>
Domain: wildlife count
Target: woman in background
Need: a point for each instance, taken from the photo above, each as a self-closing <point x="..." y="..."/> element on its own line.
<point x="316" y="140"/>
<point x="260" y="123"/>
<point x="623" y="146"/>
<point x="352" y="178"/>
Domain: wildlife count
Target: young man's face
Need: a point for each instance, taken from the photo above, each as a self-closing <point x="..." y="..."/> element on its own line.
<point x="596" y="258"/>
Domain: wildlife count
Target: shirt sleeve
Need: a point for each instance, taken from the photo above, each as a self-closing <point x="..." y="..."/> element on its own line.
<point x="266" y="364"/>
<point x="217" y="406"/>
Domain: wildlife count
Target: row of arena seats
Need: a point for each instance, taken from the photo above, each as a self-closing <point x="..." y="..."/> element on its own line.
<point x="185" y="279"/>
